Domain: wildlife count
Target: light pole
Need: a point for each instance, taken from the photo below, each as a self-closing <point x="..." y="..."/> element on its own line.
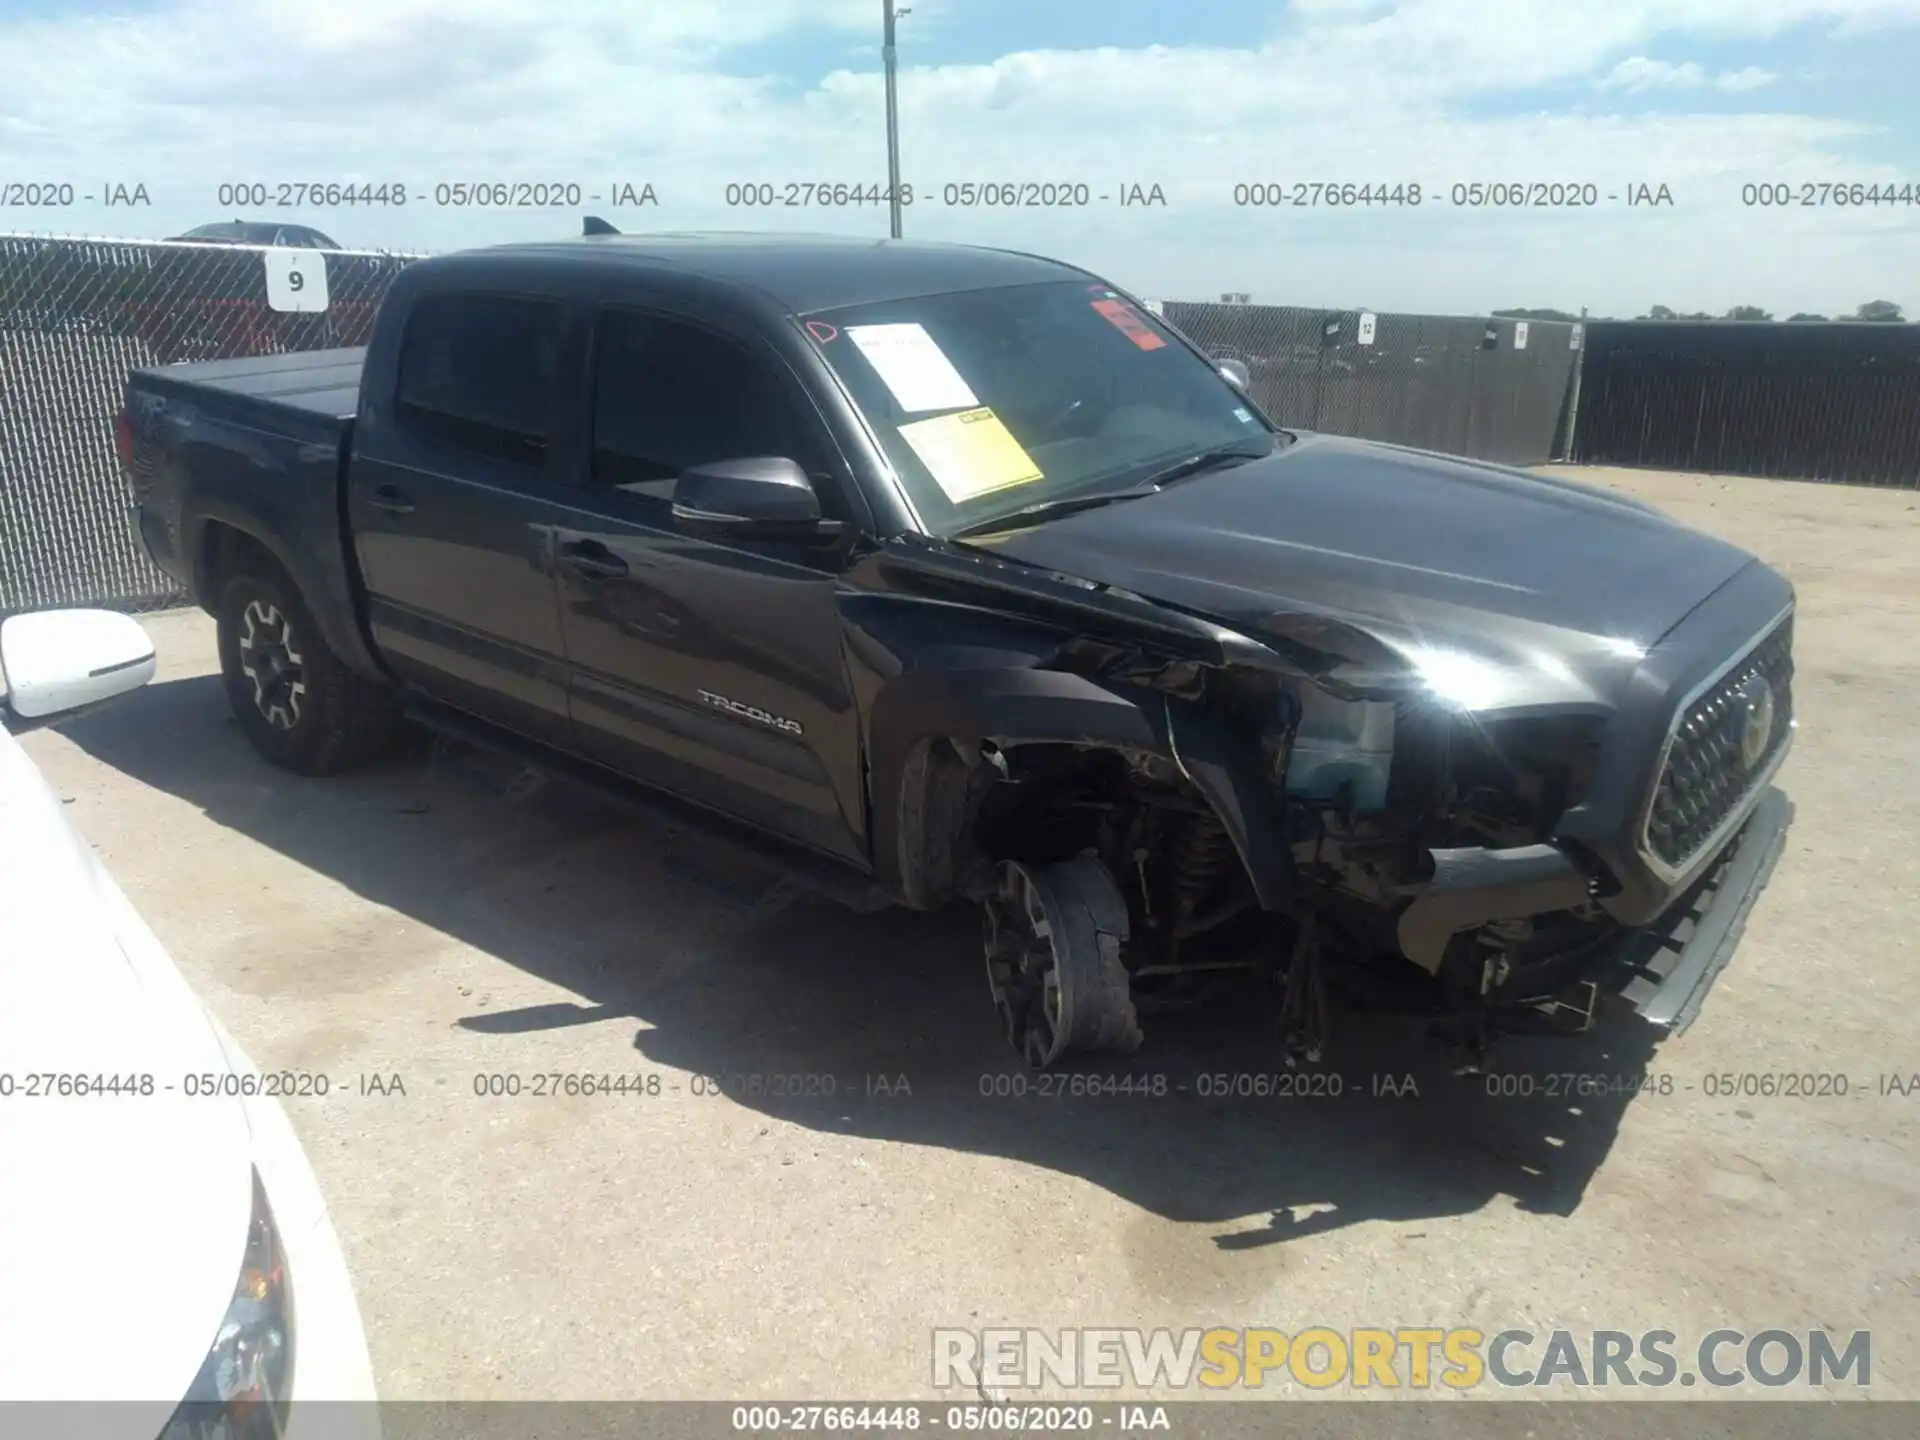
<point x="888" y="56"/>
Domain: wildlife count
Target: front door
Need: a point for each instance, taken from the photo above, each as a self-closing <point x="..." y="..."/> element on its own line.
<point x="712" y="669"/>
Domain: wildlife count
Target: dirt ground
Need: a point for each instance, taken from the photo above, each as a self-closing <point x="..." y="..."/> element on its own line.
<point x="440" y="921"/>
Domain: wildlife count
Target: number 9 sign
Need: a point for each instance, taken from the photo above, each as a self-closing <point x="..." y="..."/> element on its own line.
<point x="296" y="280"/>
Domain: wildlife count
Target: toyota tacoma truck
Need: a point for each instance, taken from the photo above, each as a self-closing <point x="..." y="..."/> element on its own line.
<point x="953" y="575"/>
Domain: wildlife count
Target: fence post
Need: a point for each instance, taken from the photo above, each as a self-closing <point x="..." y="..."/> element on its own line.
<point x="1329" y="327"/>
<point x="1573" y="402"/>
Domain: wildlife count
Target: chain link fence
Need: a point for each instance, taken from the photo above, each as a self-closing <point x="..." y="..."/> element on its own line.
<point x="75" y="316"/>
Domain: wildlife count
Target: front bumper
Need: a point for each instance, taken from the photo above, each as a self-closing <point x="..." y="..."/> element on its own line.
<point x="1663" y="968"/>
<point x="1666" y="969"/>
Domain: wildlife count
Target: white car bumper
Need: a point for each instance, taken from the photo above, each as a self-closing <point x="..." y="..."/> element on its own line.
<point x="333" y="1391"/>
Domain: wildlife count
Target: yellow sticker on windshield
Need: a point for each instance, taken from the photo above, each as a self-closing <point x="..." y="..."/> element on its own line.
<point x="970" y="454"/>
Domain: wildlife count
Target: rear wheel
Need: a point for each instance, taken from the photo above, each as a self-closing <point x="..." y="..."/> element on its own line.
<point x="1053" y="940"/>
<point x="299" y="704"/>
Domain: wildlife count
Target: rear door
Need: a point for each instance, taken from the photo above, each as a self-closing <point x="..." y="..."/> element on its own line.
<point x="454" y="492"/>
<point x="714" y="670"/>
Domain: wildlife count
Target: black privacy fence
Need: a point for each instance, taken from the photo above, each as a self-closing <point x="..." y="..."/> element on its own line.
<point x="1805" y="401"/>
<point x="1837" y="402"/>
<point x="1492" y="389"/>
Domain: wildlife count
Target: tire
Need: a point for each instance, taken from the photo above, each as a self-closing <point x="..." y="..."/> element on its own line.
<point x="1053" y="938"/>
<point x="298" y="703"/>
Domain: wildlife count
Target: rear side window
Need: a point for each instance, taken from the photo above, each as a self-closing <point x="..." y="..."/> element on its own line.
<point x="478" y="372"/>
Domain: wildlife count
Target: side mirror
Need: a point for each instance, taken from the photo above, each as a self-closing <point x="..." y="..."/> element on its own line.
<point x="1236" y="372"/>
<point x="762" y="497"/>
<point x="56" y="663"/>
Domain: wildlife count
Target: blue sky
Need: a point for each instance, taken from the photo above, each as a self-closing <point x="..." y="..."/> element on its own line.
<point x="1704" y="96"/>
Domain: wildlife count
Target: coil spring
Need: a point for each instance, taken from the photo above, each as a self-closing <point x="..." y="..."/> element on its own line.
<point x="1198" y="862"/>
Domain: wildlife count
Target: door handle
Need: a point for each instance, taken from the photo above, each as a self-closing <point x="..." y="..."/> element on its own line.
<point x="591" y="559"/>
<point x="389" y="499"/>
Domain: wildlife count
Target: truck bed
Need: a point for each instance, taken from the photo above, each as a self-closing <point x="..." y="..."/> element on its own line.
<point x="310" y="396"/>
<point x="256" y="446"/>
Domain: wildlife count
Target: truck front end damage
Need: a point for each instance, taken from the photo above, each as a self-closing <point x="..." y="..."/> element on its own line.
<point x="1363" y="818"/>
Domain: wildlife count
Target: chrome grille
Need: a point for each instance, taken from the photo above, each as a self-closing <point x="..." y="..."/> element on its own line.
<point x="1724" y="744"/>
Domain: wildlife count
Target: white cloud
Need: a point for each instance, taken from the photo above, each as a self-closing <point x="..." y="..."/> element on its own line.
<point x="1640" y="74"/>
<point x="1751" y="77"/>
<point x="199" y="92"/>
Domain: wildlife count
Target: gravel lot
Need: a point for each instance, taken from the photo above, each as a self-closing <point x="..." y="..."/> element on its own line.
<point x="440" y="920"/>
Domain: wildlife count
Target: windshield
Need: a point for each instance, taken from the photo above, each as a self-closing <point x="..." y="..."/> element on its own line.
<point x="992" y="401"/>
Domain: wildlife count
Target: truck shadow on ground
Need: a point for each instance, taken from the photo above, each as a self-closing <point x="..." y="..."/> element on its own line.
<point x="878" y="1026"/>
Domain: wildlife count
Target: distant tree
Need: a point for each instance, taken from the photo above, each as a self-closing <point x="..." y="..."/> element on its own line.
<point x="1884" y="310"/>
<point x="1748" y="312"/>
<point x="1804" y="315"/>
<point x="1536" y="315"/>
<point x="1662" y="312"/>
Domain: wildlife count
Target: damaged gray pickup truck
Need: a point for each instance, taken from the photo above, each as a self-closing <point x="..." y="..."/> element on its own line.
<point x="955" y="575"/>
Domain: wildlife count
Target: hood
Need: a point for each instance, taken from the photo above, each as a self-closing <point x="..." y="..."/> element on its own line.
<point x="1332" y="541"/>
<point x="123" y="1218"/>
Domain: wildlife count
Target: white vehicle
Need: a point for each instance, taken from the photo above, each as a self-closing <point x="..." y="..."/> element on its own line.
<point x="163" y="1242"/>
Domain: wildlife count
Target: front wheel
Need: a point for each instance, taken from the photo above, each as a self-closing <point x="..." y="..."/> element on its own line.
<point x="1053" y="941"/>
<point x="299" y="704"/>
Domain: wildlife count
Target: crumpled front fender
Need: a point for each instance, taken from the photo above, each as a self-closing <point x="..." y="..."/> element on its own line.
<point x="913" y="801"/>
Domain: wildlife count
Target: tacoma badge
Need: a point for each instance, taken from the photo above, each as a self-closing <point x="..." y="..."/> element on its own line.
<point x="751" y="712"/>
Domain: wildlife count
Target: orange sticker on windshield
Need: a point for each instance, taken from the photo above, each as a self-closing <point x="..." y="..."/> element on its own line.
<point x="1128" y="322"/>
